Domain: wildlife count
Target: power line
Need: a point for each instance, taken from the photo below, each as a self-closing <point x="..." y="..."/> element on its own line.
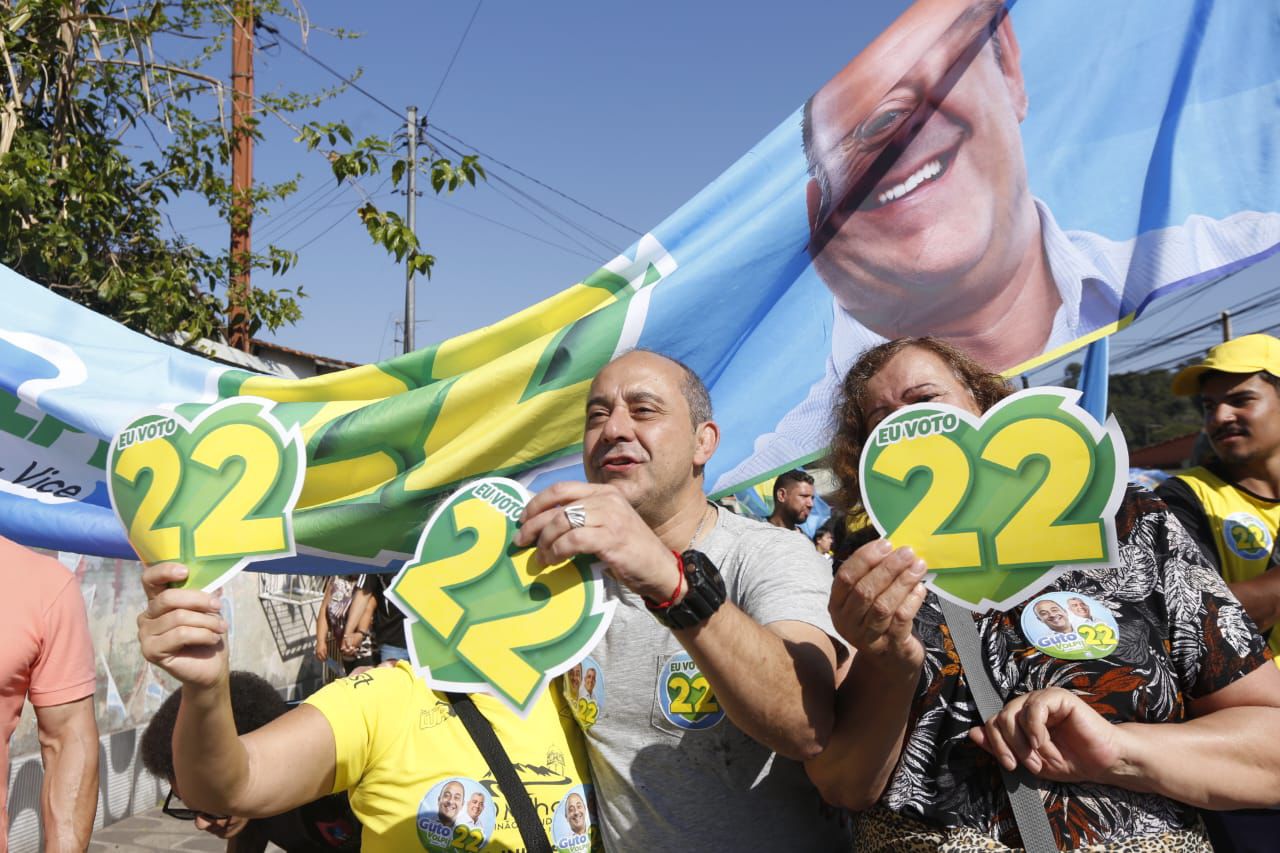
<point x="501" y="224"/>
<point x="341" y="219"/>
<point x="1179" y="334"/>
<point x="281" y="226"/>
<point x="327" y="67"/>
<point x="330" y="227"/>
<point x="437" y="128"/>
<point x="348" y="81"/>
<point x="498" y="189"/>
<point x="456" y="51"/>
<point x="498" y="179"/>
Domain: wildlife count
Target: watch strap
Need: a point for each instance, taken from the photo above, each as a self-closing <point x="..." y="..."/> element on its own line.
<point x="704" y="595"/>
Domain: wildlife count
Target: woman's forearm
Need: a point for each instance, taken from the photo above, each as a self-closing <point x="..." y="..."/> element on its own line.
<point x="1229" y="759"/>
<point x="872" y="707"/>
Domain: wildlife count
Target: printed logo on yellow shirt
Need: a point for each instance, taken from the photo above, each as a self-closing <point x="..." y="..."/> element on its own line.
<point x="1246" y="536"/>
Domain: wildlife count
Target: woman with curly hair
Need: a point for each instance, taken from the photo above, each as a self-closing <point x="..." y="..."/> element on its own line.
<point x="1124" y="748"/>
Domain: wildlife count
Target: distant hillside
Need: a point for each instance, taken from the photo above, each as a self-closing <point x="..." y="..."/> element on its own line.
<point x="1146" y="408"/>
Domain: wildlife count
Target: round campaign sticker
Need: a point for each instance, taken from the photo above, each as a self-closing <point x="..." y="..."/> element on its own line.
<point x="572" y="822"/>
<point x="583" y="686"/>
<point x="1071" y="626"/>
<point x="1246" y="536"/>
<point x="456" y="814"/>
<point x="685" y="697"/>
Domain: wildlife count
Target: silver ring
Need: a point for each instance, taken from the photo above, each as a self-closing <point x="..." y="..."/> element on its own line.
<point x="577" y="515"/>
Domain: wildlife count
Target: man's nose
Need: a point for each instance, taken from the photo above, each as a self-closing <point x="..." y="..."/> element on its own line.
<point x="619" y="426"/>
<point x="1218" y="414"/>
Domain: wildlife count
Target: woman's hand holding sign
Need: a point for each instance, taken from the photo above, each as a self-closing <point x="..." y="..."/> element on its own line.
<point x="874" y="600"/>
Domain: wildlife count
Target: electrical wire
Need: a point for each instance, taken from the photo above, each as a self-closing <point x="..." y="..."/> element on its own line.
<point x="336" y="73"/>
<point x="454" y="58"/>
<point x="338" y="221"/>
<point x="594" y="259"/>
<point x="277" y="225"/>
<point x="498" y="179"/>
<point x="348" y="81"/>
<point x="490" y="158"/>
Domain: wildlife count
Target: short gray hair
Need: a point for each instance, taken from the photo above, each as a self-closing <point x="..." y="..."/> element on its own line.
<point x="691" y="386"/>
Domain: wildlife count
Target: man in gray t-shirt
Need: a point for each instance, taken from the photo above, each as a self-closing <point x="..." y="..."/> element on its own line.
<point x="717" y="675"/>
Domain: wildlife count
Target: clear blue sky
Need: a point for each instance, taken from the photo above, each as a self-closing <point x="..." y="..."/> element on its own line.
<point x="630" y="109"/>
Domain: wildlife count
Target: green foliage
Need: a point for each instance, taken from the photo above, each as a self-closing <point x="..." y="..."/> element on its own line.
<point x="1145" y="406"/>
<point x="85" y="85"/>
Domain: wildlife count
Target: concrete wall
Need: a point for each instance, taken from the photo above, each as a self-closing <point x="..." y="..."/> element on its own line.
<point x="270" y="638"/>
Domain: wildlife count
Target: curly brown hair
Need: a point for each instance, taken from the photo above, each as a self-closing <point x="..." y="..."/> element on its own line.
<point x="850" y="421"/>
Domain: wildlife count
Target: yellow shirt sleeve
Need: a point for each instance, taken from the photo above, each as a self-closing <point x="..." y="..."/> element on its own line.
<point x="353" y="705"/>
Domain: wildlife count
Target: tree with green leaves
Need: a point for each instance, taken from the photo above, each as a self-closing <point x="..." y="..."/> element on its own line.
<point x="108" y="112"/>
<point x="1144" y="404"/>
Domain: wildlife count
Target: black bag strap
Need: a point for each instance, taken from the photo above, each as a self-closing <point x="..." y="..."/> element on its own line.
<point x="1024" y="797"/>
<point x="513" y="791"/>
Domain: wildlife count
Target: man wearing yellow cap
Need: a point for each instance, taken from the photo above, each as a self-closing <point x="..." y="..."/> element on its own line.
<point x="1231" y="507"/>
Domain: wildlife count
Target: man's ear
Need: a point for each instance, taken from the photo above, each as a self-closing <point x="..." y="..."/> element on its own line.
<point x="813" y="200"/>
<point x="1011" y="66"/>
<point x="706" y="440"/>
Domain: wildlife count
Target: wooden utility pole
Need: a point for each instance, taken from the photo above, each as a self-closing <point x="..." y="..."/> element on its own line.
<point x="411" y="219"/>
<point x="238" y="334"/>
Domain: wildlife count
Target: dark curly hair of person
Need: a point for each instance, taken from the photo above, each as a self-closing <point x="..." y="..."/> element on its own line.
<point x="850" y="418"/>
<point x="254" y="703"/>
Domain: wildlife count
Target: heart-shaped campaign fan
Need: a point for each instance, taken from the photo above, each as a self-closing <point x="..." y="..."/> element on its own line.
<point x="215" y="493"/>
<point x="997" y="506"/>
<point x="486" y="616"/>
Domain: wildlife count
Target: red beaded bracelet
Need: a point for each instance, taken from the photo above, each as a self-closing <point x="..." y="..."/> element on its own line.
<point x="675" y="592"/>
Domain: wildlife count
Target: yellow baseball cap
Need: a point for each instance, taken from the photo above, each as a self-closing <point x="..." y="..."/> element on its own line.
<point x="1248" y="354"/>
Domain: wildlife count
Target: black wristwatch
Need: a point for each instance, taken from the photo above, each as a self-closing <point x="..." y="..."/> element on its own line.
<point x="703" y="597"/>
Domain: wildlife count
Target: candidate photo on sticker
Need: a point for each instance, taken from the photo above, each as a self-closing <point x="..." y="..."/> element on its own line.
<point x="571" y="823"/>
<point x="583" y="687"/>
<point x="1070" y="625"/>
<point x="457" y="813"/>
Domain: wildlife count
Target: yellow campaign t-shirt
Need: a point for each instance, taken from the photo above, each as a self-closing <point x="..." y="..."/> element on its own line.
<point x="1242" y="527"/>
<point x="417" y="781"/>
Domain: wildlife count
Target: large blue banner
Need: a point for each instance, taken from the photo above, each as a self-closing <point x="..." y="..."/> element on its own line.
<point x="1017" y="180"/>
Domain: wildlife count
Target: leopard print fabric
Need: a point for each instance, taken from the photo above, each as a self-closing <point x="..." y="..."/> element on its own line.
<point x="883" y="831"/>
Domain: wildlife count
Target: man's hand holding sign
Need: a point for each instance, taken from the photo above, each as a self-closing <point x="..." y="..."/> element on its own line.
<point x="487" y="615"/>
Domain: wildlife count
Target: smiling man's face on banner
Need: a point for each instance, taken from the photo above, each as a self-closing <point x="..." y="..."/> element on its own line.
<point x="919" y="204"/>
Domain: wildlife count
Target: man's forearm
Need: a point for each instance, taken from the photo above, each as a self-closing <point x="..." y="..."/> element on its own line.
<point x="209" y="760"/>
<point x="1229" y="759"/>
<point x="69" y="795"/>
<point x="778" y="691"/>
<point x="872" y="707"/>
<point x="1260" y="598"/>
